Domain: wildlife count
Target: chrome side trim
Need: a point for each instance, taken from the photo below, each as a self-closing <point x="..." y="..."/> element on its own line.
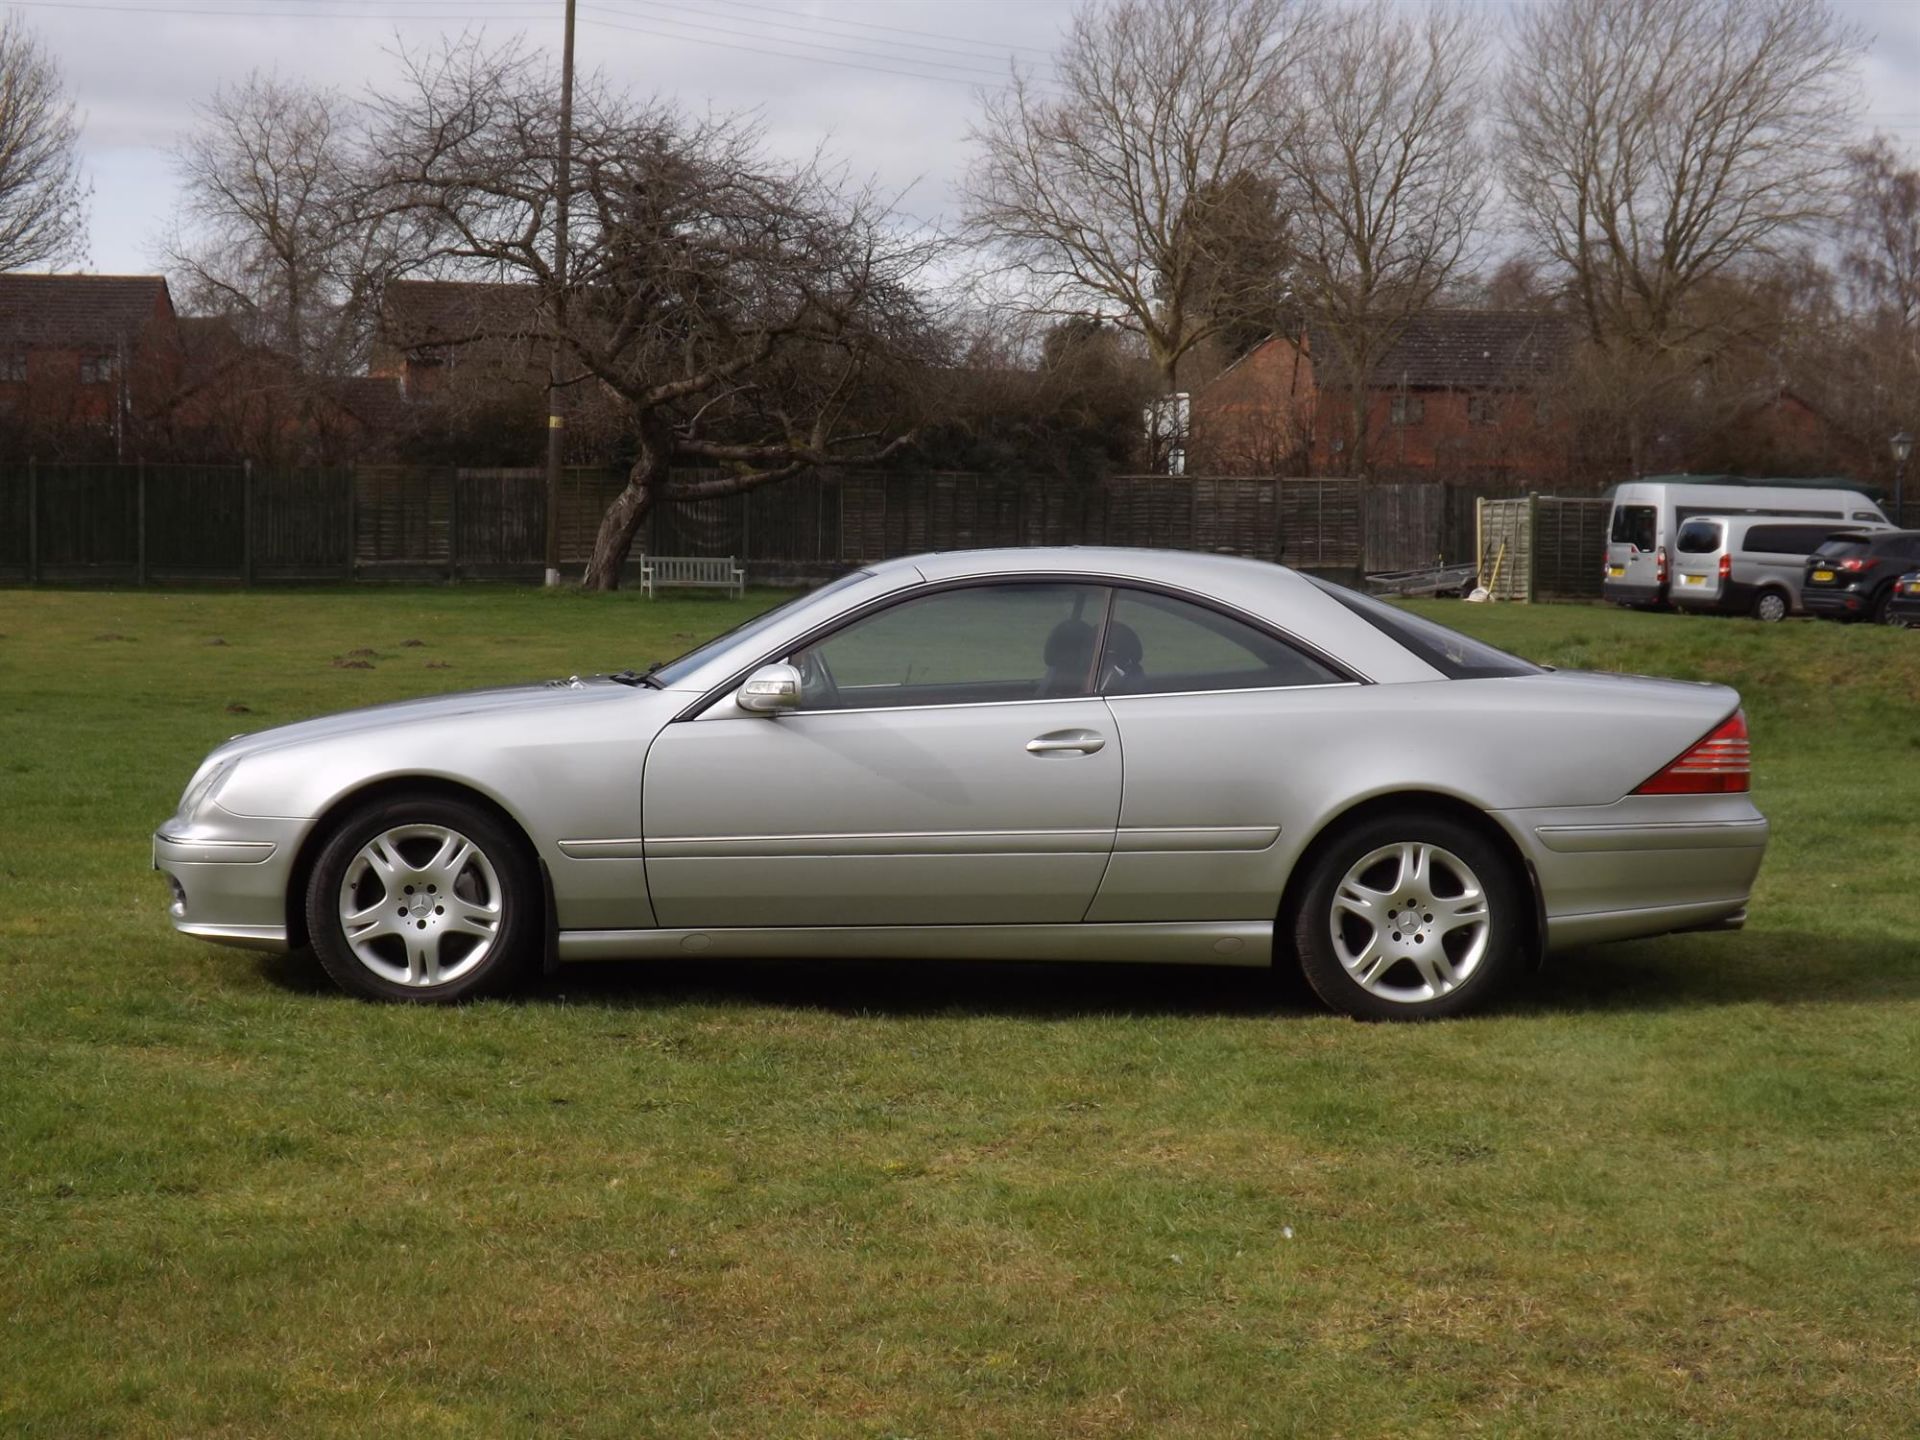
<point x="880" y="842"/>
<point x="1215" y="942"/>
<point x="632" y="848"/>
<point x="246" y="937"/>
<point x="1661" y="835"/>
<point x="183" y="851"/>
<point x="1142" y="838"/>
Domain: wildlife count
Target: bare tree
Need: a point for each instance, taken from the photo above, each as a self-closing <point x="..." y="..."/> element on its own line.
<point x="275" y="230"/>
<point x="1116" y="190"/>
<point x="1880" y="232"/>
<point x="1650" y="144"/>
<point x="42" y="201"/>
<point x="740" y="312"/>
<point x="1387" y="175"/>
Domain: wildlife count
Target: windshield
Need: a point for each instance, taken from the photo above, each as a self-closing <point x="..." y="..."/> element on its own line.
<point x="1457" y="656"/>
<point x="1698" y="537"/>
<point x="686" y="664"/>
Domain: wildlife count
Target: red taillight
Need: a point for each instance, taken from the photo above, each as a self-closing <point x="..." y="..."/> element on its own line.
<point x="1660" y="565"/>
<point x="1858" y="563"/>
<point x="1721" y="764"/>
<point x="1726" y="566"/>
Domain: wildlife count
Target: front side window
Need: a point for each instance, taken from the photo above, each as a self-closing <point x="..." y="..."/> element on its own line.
<point x="976" y="645"/>
<point x="1633" y="525"/>
<point x="1698" y="537"/>
<point x="1157" y="645"/>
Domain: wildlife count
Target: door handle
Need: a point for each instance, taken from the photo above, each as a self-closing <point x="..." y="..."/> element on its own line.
<point x="1066" y="742"/>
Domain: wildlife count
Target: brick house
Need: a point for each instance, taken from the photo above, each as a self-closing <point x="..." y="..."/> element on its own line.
<point x="436" y="334"/>
<point x="1461" y="392"/>
<point x="87" y="355"/>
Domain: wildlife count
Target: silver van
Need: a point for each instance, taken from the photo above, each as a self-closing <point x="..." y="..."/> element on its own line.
<point x="1647" y="515"/>
<point x="1747" y="564"/>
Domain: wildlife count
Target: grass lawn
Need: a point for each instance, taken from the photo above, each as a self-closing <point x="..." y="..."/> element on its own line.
<point x="1669" y="1190"/>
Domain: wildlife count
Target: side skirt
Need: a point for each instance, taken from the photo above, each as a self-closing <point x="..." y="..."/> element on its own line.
<point x="1219" y="942"/>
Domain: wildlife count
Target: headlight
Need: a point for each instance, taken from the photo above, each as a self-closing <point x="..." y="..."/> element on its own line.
<point x="205" y="787"/>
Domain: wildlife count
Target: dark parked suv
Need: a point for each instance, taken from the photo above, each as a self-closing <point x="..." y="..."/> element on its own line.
<point x="1851" y="577"/>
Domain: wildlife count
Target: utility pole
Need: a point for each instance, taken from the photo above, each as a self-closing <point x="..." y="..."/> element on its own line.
<point x="556" y="410"/>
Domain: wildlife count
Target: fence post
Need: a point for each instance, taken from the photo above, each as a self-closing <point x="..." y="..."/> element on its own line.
<point x="453" y="526"/>
<point x="33" y="521"/>
<point x="140" y="518"/>
<point x="1533" y="547"/>
<point x="246" y="522"/>
<point x="353" y="517"/>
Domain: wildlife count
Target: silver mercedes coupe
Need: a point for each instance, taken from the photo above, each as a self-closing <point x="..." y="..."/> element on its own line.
<point x="1043" y="754"/>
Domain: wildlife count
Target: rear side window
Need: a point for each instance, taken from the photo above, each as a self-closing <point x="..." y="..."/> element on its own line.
<point x="1456" y="656"/>
<point x="1699" y="537"/>
<point x="1841" y="547"/>
<point x="1634" y="525"/>
<point x="1157" y="645"/>
<point x="1785" y="539"/>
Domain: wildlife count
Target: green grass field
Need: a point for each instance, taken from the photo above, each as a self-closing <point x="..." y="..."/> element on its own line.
<point x="1669" y="1190"/>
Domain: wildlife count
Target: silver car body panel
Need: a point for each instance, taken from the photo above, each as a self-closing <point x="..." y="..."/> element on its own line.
<point x="660" y="814"/>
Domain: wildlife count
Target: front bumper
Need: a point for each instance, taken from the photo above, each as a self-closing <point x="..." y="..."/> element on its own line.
<point x="1645" y="865"/>
<point x="227" y="876"/>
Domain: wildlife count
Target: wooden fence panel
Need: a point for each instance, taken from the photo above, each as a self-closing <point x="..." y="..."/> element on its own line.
<point x="499" y="520"/>
<point x="89" y="522"/>
<point x="403" y="515"/>
<point x="196" y="521"/>
<point x="1569" y="539"/>
<point x="301" y="524"/>
<point x="14" y="547"/>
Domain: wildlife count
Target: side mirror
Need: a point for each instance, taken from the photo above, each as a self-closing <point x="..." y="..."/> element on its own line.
<point x="769" y="690"/>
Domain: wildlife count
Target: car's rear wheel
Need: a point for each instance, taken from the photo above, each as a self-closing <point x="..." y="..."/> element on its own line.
<point x="1883" y="608"/>
<point x="423" y="899"/>
<point x="1409" y="916"/>
<point x="1770" y="606"/>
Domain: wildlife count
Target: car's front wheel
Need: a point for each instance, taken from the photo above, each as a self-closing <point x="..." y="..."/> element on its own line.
<point x="424" y="899"/>
<point x="1409" y="916"/>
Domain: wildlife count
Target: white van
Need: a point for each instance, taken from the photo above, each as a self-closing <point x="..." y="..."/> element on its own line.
<point x="1646" y="518"/>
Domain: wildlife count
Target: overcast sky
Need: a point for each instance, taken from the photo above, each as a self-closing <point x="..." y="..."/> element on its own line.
<point x="888" y="82"/>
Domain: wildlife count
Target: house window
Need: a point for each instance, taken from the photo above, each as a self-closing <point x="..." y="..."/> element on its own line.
<point x="1542" y="410"/>
<point x="1482" y="410"/>
<point x="96" y="370"/>
<point x="15" y="369"/>
<point x="1409" y="409"/>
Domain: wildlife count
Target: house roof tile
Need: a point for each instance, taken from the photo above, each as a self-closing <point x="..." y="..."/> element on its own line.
<point x="78" y="312"/>
<point x="1459" y="350"/>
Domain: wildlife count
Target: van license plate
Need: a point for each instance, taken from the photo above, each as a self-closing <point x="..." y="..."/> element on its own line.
<point x="1823" y="574"/>
<point x="1693" y="579"/>
<point x="1616" y="571"/>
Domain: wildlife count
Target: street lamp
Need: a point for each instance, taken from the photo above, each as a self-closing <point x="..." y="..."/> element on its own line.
<point x="1902" y="445"/>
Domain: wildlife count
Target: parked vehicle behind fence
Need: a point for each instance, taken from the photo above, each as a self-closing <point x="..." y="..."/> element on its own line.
<point x="1647" y="515"/>
<point x="1904" y="608"/>
<point x="1851" y="577"/>
<point x="1746" y="564"/>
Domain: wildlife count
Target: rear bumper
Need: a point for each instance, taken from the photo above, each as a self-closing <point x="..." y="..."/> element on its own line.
<point x="1645" y="865"/>
<point x="1835" y="604"/>
<point x="1622" y="592"/>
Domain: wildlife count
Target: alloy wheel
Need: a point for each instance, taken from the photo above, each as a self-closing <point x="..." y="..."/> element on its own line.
<point x="420" y="905"/>
<point x="1410" y="922"/>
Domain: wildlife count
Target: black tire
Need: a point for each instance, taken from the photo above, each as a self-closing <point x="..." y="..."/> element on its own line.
<point x="1499" y="955"/>
<point x="1771" y="607"/>
<point x="503" y="881"/>
<point x="1883" y="608"/>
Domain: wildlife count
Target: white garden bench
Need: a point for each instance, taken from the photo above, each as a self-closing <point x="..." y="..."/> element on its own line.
<point x="697" y="572"/>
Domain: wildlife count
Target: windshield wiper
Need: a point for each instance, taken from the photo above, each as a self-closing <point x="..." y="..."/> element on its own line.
<point x="630" y="677"/>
